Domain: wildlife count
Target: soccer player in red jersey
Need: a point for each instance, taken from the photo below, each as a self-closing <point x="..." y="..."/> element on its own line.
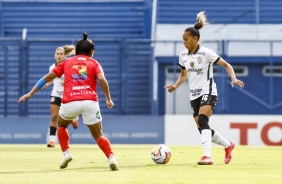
<point x="80" y="97"/>
<point x="196" y="64"/>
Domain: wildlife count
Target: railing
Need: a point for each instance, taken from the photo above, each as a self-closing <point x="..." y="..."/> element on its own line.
<point x="160" y="53"/>
<point x="10" y="49"/>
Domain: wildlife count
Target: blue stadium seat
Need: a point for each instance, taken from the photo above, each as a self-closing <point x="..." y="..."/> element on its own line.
<point x="219" y="12"/>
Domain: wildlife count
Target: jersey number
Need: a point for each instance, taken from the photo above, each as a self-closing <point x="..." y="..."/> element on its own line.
<point x="205" y="98"/>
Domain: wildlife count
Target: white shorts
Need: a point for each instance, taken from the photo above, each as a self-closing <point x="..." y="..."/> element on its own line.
<point x="89" y="110"/>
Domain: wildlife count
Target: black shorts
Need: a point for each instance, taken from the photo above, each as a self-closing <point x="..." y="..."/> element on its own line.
<point x="201" y="101"/>
<point x="55" y="100"/>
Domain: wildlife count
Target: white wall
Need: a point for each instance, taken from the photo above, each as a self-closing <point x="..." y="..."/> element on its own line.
<point x="177" y="102"/>
<point x="242" y="32"/>
<point x="252" y="130"/>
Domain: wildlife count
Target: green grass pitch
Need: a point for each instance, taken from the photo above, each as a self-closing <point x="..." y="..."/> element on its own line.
<point x="39" y="164"/>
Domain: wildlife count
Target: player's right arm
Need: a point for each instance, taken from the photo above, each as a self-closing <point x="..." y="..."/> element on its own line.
<point x="181" y="78"/>
<point x="47" y="78"/>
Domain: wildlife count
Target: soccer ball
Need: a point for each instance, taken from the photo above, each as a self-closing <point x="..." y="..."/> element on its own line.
<point x="160" y="154"/>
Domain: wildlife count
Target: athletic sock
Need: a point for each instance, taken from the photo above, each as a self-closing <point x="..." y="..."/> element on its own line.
<point x="105" y="145"/>
<point x="200" y="130"/>
<point x="212" y="131"/>
<point x="218" y="139"/>
<point x="64" y="138"/>
<point x="67" y="152"/>
<point x="52" y="138"/>
<point x="206" y="142"/>
<point x="52" y="134"/>
<point x="53" y="130"/>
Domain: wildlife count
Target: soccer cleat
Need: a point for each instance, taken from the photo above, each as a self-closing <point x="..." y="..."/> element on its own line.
<point x="67" y="158"/>
<point x="74" y="124"/>
<point x="205" y="161"/>
<point x="228" y="151"/>
<point x="113" y="163"/>
<point x="51" y="144"/>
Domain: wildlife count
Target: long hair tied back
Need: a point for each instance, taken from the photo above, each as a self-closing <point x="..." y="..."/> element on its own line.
<point x="68" y="49"/>
<point x="85" y="35"/>
<point x="84" y="45"/>
<point x="201" y="20"/>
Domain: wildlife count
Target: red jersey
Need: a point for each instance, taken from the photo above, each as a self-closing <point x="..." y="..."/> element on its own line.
<point x="80" y="78"/>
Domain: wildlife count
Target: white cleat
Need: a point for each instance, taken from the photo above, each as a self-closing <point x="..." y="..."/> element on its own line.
<point x="113" y="163"/>
<point x="67" y="158"/>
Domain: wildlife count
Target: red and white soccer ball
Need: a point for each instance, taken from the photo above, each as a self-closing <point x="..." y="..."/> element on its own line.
<point x="161" y="154"/>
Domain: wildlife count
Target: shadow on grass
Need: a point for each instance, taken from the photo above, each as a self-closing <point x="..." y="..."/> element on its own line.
<point x="105" y="168"/>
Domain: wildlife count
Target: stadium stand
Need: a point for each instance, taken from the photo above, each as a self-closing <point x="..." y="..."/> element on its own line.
<point x="261" y="92"/>
<point x="50" y="24"/>
<point x="10" y="76"/>
<point x="121" y="30"/>
<point x="220" y="12"/>
<point x="67" y="19"/>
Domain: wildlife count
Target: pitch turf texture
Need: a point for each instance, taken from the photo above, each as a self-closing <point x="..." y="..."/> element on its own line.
<point x="39" y="164"/>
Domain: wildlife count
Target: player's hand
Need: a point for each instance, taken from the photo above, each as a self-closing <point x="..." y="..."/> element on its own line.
<point x="237" y="82"/>
<point x="110" y="103"/>
<point x="24" y="98"/>
<point x="170" y="88"/>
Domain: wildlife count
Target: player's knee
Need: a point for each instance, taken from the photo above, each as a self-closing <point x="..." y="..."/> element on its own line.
<point x="203" y="121"/>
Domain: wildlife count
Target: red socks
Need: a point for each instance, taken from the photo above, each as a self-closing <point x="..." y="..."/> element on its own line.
<point x="63" y="137"/>
<point x="105" y="145"/>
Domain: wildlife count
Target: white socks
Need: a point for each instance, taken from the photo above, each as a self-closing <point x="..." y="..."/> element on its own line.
<point x="52" y="138"/>
<point x="218" y="139"/>
<point x="67" y="152"/>
<point x="206" y="142"/>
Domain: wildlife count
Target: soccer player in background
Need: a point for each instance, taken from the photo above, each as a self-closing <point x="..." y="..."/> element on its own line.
<point x="80" y="97"/>
<point x="61" y="54"/>
<point x="197" y="63"/>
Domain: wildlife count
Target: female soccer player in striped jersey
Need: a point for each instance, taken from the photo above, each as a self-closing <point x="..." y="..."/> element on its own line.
<point x="197" y="64"/>
<point x="61" y="54"/>
<point x="80" y="97"/>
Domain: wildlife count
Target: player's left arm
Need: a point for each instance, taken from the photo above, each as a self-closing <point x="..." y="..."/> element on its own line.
<point x="231" y="73"/>
<point x="105" y="88"/>
<point x="40" y="83"/>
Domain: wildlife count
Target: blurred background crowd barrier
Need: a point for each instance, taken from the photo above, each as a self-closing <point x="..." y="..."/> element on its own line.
<point x="130" y="67"/>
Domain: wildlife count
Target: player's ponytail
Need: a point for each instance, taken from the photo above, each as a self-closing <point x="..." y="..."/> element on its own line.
<point x="201" y="21"/>
<point x="85" y="35"/>
<point x="69" y="49"/>
<point x="84" y="46"/>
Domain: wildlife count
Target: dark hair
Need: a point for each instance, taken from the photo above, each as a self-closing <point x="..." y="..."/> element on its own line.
<point x="201" y="21"/>
<point x="84" y="46"/>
